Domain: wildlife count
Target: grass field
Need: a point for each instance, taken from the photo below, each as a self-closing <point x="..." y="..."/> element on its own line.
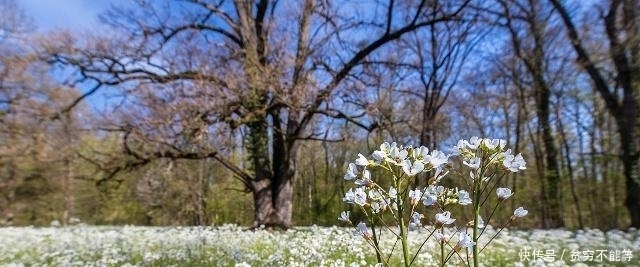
<point x="304" y="246"/>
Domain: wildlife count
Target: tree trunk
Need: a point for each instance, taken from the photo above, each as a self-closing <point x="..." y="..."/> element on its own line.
<point x="552" y="174"/>
<point x="273" y="202"/>
<point x="629" y="143"/>
<point x="625" y="54"/>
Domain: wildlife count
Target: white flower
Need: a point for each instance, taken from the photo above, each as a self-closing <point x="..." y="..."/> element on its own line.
<point x="412" y="169"/>
<point x="375" y="194"/>
<point x="415" y="218"/>
<point x="349" y="196"/>
<point x="429" y="200"/>
<point x="379" y="156"/>
<point x="520" y="212"/>
<point x="414" y="196"/>
<point x="472" y="143"/>
<point x="503" y="193"/>
<point x="385" y="147"/>
<point x="492" y="144"/>
<point x="514" y="163"/>
<point x="398" y="155"/>
<point x="444" y="218"/>
<point x="430" y="195"/>
<point x="344" y="216"/>
<point x="393" y="193"/>
<point x="438" y="158"/>
<point x="352" y="172"/>
<point x="379" y="205"/>
<point x="363" y="230"/>
<point x="360" y="197"/>
<point x="473" y="163"/>
<point x="458" y="148"/>
<point x="365" y="180"/>
<point x="464" y="198"/>
<point x="421" y="152"/>
<point x="362" y="160"/>
<point x="464" y="241"/>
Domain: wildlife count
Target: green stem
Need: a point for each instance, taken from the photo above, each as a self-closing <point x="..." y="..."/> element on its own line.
<point x="477" y="184"/>
<point x="403" y="235"/>
<point x="441" y="249"/>
<point x="475" y="236"/>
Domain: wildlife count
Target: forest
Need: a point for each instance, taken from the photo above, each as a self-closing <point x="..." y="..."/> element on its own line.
<point x="208" y="112"/>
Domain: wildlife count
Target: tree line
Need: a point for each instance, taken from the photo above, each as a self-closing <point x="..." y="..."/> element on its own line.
<point x="248" y="111"/>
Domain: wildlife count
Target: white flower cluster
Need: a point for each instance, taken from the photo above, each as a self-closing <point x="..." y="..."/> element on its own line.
<point x="403" y="163"/>
<point x="477" y="150"/>
<point x="411" y="161"/>
<point x="302" y="246"/>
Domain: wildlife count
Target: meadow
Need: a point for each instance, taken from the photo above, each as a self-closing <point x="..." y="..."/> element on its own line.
<point x="231" y="245"/>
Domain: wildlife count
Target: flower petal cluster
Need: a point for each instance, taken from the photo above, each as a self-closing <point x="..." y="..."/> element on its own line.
<point x="477" y="152"/>
<point x="392" y="158"/>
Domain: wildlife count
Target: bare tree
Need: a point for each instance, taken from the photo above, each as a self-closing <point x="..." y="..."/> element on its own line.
<point x="528" y="25"/>
<point x="260" y="69"/>
<point x="620" y="92"/>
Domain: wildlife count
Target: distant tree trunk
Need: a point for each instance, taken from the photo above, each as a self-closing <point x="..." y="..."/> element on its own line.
<point x="569" y="166"/>
<point x="623" y="34"/>
<point x="535" y="62"/>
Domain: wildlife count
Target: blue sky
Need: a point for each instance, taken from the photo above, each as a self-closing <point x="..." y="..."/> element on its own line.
<point x="76" y="15"/>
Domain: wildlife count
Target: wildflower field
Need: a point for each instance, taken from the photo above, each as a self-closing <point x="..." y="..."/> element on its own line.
<point x="231" y="245"/>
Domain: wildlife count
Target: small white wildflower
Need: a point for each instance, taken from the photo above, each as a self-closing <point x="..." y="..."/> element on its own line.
<point x="421" y="153"/>
<point x="464" y="198"/>
<point x="393" y="193"/>
<point x="438" y="158"/>
<point x="464" y="241"/>
<point x="352" y="172"/>
<point x="415" y="196"/>
<point x="490" y="144"/>
<point x="363" y="230"/>
<point x="503" y="193"/>
<point x="362" y="160"/>
<point x="365" y="180"/>
<point x="514" y="163"/>
<point x="415" y="218"/>
<point x="375" y="194"/>
<point x="458" y="148"/>
<point x="520" y="212"/>
<point x="444" y="218"/>
<point x="349" y="196"/>
<point x="398" y="154"/>
<point x="344" y="216"/>
<point x="360" y="197"/>
<point x="412" y="169"/>
<point x="472" y="143"/>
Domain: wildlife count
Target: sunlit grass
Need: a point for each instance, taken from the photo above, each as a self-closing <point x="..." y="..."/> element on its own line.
<point x="305" y="246"/>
